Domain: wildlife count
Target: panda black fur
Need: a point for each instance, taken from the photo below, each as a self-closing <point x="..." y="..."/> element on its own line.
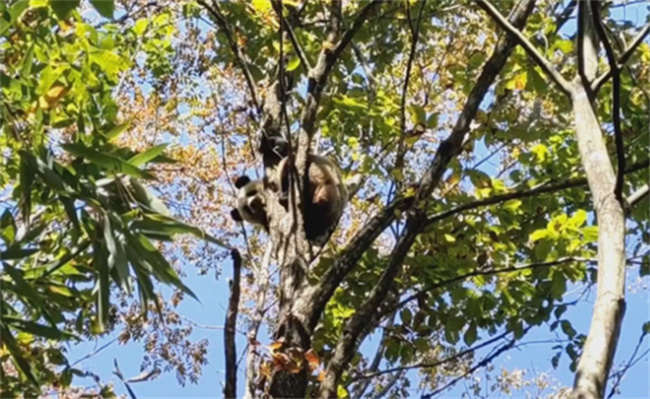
<point x="250" y="202"/>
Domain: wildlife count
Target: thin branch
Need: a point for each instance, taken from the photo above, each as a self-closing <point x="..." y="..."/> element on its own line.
<point x="539" y="189"/>
<point x="374" y="365"/>
<point x="619" y="374"/>
<point x="543" y="63"/>
<point x="438" y="363"/>
<point x="484" y="362"/>
<point x="262" y="278"/>
<point x="277" y="5"/>
<point x="388" y="385"/>
<point x="230" y="389"/>
<point x="95" y="352"/>
<point x="409" y="65"/>
<point x="489" y="272"/>
<point x="616" y="98"/>
<point x="638" y="195"/>
<point x="222" y="22"/>
<point x="319" y="295"/>
<point x="597" y="83"/>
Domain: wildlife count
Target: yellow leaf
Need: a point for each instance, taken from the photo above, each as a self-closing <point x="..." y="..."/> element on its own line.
<point x="321" y="376"/>
<point x="450" y="238"/>
<point x="341" y="392"/>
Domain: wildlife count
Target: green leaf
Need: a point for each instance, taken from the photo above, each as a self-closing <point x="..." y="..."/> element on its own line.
<point x="7" y="227"/>
<point x="417" y="114"/>
<point x="470" y="335"/>
<point x="140" y="26"/>
<point x="117" y="130"/>
<point x="63" y="7"/>
<point x="40" y="330"/>
<point x="590" y="234"/>
<point x="146" y="198"/>
<point x="17" y="9"/>
<point x="22" y="364"/>
<point x="16" y="253"/>
<point x="567" y="328"/>
<point x="103" y="283"/>
<point x="27" y="172"/>
<point x="108" y="162"/>
<point x="104" y="7"/>
<point x="293" y="64"/>
<point x="579" y="218"/>
<point x="27" y="63"/>
<point x="118" y="256"/>
<point x="558" y="286"/>
<point x="148" y="155"/>
<point x="538" y="235"/>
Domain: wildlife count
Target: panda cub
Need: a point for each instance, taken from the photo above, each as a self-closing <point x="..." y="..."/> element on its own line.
<point x="326" y="195"/>
<point x="250" y="202"/>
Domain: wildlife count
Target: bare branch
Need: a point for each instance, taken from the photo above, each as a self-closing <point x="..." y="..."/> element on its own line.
<point x="638" y="195"/>
<point x="230" y="389"/>
<point x="618" y="376"/>
<point x="595" y="86"/>
<point x="223" y="24"/>
<point x="277" y="5"/>
<point x="424" y="365"/>
<point x="409" y="65"/>
<point x="484" y="362"/>
<point x="262" y="278"/>
<point x="488" y="272"/>
<point x="543" y="63"/>
<point x="616" y="98"/>
<point x="539" y="189"/>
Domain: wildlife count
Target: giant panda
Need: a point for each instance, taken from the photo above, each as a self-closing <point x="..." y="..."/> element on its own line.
<point x="326" y="195"/>
<point x="250" y="202"/>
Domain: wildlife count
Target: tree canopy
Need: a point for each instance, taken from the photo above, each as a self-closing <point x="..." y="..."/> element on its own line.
<point x="495" y="153"/>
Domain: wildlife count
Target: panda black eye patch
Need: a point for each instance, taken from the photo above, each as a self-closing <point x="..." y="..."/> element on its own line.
<point x="251" y="193"/>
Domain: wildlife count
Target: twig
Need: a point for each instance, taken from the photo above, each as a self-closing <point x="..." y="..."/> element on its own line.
<point x="222" y="22"/>
<point x="424" y="365"/>
<point x="230" y="389"/>
<point x="277" y="5"/>
<point x="543" y="63"/>
<point x="616" y="98"/>
<point x="95" y="352"/>
<point x="619" y="374"/>
<point x="539" y="189"/>
<point x="597" y="83"/>
<point x="486" y="360"/>
<point x="490" y="272"/>
<point x="638" y="195"/>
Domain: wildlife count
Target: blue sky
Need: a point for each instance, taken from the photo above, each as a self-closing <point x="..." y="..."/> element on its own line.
<point x="214" y="296"/>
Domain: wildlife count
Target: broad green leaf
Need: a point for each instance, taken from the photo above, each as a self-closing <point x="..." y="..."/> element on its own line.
<point x="17" y="253"/>
<point x="470" y="334"/>
<point x="538" y="235"/>
<point x="144" y="196"/>
<point x="293" y="64"/>
<point x="28" y="62"/>
<point x="117" y="130"/>
<point x="579" y="218"/>
<point x="17" y="9"/>
<point x="63" y="7"/>
<point x="140" y="26"/>
<point x="590" y="234"/>
<point x="417" y="114"/>
<point x="38" y="329"/>
<point x="118" y="256"/>
<point x="104" y="7"/>
<point x="23" y="365"/>
<point x="148" y="155"/>
<point x="108" y="162"/>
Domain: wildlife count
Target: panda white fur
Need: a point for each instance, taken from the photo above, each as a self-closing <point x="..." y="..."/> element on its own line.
<point x="250" y="202"/>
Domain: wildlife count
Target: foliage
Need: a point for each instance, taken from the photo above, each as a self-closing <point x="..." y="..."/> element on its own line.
<point x="91" y="112"/>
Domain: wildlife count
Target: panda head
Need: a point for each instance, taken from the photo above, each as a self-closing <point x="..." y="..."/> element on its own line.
<point x="250" y="202"/>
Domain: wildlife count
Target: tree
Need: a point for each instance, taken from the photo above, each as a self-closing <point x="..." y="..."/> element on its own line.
<point x="442" y="252"/>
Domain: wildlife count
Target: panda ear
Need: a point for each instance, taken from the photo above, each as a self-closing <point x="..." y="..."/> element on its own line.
<point x="242" y="181"/>
<point x="235" y="215"/>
